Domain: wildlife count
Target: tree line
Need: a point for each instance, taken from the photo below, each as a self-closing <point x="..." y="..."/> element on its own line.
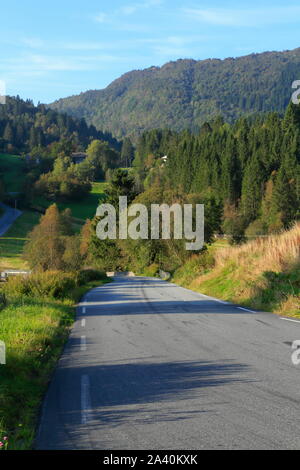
<point x="24" y="127"/>
<point x="251" y="168"/>
<point x="246" y="174"/>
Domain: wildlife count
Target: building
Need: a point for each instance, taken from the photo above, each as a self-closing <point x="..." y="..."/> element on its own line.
<point x="78" y="157"/>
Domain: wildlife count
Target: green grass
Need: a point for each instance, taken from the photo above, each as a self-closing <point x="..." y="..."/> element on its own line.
<point x="12" y="171"/>
<point x="34" y="331"/>
<point x="83" y="209"/>
<point x="12" y="244"/>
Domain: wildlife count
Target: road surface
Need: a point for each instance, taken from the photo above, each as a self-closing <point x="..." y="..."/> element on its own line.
<point x="8" y="218"/>
<point x="150" y="365"/>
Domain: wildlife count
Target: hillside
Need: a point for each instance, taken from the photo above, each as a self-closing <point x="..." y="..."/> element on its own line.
<point x="186" y="93"/>
<point x="24" y="126"/>
<point x="263" y="274"/>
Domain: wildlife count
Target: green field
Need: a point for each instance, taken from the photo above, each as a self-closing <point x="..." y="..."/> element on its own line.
<point x="12" y="244"/>
<point x="84" y="209"/>
<point x="12" y="171"/>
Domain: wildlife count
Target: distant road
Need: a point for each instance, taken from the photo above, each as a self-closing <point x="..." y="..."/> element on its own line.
<point x="150" y="365"/>
<point x="8" y="218"/>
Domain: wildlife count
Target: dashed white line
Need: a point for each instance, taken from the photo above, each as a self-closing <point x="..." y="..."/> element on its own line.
<point x="83" y="343"/>
<point x="247" y="310"/>
<point x="83" y="309"/>
<point x="289" y="319"/>
<point x="85" y="399"/>
<point x="83" y="323"/>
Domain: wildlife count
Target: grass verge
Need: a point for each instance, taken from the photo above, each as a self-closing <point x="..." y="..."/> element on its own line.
<point x="263" y="274"/>
<point x="34" y="331"/>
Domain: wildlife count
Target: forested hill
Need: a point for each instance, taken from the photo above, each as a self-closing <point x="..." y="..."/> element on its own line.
<point x="24" y="126"/>
<point x="186" y="93"/>
<point x="251" y="168"/>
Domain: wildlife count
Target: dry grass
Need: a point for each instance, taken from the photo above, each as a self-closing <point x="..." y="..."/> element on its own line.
<point x="263" y="274"/>
<point x="274" y="253"/>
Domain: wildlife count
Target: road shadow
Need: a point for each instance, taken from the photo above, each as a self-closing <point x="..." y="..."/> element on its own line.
<point x="131" y="394"/>
<point x="138" y="296"/>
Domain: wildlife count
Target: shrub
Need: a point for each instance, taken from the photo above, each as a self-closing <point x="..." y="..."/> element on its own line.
<point x="63" y="187"/>
<point x="88" y="275"/>
<point x="55" y="284"/>
<point x="151" y="270"/>
<point x="195" y="266"/>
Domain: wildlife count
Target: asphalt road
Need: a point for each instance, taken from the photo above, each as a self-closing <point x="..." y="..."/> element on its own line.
<point x="150" y="365"/>
<point x="8" y="218"/>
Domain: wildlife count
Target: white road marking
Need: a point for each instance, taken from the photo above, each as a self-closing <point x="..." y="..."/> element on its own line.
<point x="83" y="310"/>
<point x="214" y="299"/>
<point x="85" y="399"/>
<point x="289" y="319"/>
<point x="246" y="310"/>
<point x="203" y="296"/>
<point x="83" y="343"/>
<point x="83" y="323"/>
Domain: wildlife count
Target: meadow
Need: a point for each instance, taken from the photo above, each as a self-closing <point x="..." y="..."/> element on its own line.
<point x="83" y="209"/>
<point x="12" y="243"/>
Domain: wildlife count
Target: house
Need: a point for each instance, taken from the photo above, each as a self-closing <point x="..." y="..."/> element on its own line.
<point x="78" y="157"/>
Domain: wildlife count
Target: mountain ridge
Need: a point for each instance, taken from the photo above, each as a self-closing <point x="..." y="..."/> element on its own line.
<point x="185" y="93"/>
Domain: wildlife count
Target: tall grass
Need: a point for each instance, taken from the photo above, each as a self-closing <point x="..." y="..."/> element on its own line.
<point x="262" y="274"/>
<point x="274" y="253"/>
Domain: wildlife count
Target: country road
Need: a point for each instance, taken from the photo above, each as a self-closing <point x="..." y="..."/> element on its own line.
<point x="8" y="218"/>
<point x="150" y="365"/>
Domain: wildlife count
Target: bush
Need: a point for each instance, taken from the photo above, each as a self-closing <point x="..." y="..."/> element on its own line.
<point x="55" y="284"/>
<point x="64" y="187"/>
<point x="255" y="229"/>
<point x="88" y="275"/>
<point x="151" y="270"/>
<point x="194" y="267"/>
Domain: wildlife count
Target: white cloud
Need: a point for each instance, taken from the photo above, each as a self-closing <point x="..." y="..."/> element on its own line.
<point x="34" y="43"/>
<point x="177" y="46"/>
<point x="130" y="9"/>
<point x="35" y="65"/>
<point x="126" y="10"/>
<point x="84" y="46"/>
<point x="169" y="51"/>
<point x="101" y="17"/>
<point x="245" y="17"/>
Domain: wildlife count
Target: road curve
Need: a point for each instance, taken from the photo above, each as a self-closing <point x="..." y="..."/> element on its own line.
<point x="150" y="365"/>
<point x="8" y="218"/>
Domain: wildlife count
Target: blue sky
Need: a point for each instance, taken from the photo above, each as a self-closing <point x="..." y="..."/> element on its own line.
<point x="63" y="47"/>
